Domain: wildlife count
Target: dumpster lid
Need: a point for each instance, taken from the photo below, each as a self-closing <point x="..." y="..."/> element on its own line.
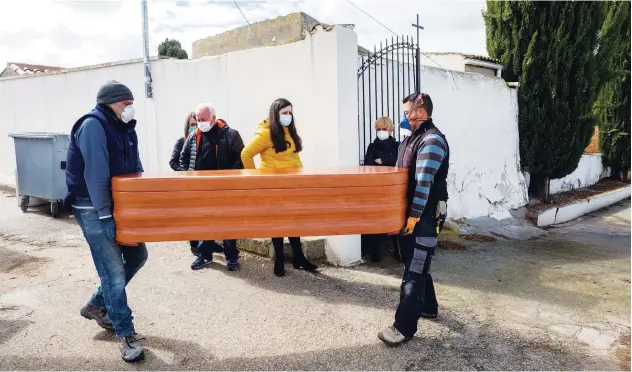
<point x="37" y="135"/>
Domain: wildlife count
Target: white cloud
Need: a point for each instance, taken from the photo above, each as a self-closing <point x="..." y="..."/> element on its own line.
<point x="72" y="33"/>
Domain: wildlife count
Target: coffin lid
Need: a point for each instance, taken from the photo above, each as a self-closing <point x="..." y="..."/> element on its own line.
<point x="248" y="179"/>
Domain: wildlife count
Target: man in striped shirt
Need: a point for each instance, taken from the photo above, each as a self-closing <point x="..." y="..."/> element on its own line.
<point x="426" y="155"/>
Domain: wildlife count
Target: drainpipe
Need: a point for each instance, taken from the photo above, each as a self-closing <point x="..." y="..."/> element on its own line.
<point x="148" y="90"/>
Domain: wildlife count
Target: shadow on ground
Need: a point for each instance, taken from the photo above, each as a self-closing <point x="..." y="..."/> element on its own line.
<point x="257" y="272"/>
<point x="529" y="269"/>
<point x="525" y="269"/>
<point x="44" y="210"/>
<point x="463" y="347"/>
<point x="10" y="328"/>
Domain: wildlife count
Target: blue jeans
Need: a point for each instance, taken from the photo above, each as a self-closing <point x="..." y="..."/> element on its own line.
<point x="116" y="266"/>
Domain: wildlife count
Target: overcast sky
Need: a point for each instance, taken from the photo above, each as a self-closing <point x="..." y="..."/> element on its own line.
<point x="81" y="32"/>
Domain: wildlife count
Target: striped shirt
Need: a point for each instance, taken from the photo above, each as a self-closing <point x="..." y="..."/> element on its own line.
<point x="431" y="153"/>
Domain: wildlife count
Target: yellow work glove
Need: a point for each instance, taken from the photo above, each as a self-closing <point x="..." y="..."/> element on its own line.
<point x="410" y="226"/>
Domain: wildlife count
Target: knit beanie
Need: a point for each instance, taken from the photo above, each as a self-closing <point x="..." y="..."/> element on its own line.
<point x="112" y="92"/>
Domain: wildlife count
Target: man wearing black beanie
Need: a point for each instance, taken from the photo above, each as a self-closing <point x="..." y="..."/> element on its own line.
<point x="104" y="144"/>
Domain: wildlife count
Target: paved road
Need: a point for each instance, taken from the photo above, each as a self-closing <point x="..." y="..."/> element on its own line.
<point x="559" y="302"/>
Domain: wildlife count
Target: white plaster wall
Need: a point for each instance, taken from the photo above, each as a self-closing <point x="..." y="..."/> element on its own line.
<point x="52" y="103"/>
<point x="316" y="75"/>
<point x="241" y="85"/>
<point x="454" y="62"/>
<point x="479" y="116"/>
<point x="589" y="171"/>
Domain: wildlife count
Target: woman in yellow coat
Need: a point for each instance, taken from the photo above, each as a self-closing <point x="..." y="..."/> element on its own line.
<point x="278" y="144"/>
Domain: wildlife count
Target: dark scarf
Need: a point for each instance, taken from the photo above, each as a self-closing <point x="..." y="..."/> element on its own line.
<point x="386" y="144"/>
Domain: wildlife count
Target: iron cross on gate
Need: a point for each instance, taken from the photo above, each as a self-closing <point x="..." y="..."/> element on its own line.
<point x="418" y="56"/>
<point x="418" y="27"/>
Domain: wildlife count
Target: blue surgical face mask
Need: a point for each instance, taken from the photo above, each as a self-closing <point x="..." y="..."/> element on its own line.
<point x="191" y="129"/>
<point x="403" y="123"/>
<point x="285" y="120"/>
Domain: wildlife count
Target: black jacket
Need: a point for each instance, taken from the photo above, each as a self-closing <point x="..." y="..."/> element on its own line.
<point x="174" y="163"/>
<point x="228" y="150"/>
<point x="385" y="150"/>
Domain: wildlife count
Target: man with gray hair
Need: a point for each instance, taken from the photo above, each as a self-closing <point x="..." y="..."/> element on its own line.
<point x="213" y="146"/>
<point x="104" y="144"/>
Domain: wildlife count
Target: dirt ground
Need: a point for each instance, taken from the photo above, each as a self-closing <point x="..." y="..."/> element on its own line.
<point x="559" y="302"/>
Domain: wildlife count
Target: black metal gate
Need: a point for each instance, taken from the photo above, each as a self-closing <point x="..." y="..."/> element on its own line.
<point x="385" y="77"/>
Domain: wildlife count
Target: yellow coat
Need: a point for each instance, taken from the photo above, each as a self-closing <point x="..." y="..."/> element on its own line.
<point x="262" y="145"/>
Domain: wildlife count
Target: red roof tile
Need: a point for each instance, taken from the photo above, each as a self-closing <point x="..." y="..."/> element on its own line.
<point x="19" y="69"/>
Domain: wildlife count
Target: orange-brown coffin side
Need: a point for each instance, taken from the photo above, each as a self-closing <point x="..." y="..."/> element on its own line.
<point x="255" y="204"/>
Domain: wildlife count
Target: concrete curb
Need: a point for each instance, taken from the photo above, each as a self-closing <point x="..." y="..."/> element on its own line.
<point x="565" y="213"/>
<point x="313" y="247"/>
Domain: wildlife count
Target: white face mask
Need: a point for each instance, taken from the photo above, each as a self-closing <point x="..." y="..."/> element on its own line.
<point x="285" y="120"/>
<point x="382" y="134"/>
<point x="204" y="126"/>
<point x="127" y="114"/>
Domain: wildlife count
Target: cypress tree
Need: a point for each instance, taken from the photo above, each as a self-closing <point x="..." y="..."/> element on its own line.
<point x="550" y="48"/>
<point x="612" y="108"/>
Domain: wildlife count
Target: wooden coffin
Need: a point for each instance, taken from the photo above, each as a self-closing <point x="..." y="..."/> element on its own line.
<point x="258" y="203"/>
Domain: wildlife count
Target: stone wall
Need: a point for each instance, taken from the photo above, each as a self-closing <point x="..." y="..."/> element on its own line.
<point x="281" y="30"/>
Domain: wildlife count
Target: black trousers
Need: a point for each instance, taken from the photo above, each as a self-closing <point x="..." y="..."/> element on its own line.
<point x="207" y="247"/>
<point x="371" y="243"/>
<point x="295" y="243"/>
<point x="417" y="293"/>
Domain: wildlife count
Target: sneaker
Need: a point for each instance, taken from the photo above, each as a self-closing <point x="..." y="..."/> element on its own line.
<point x="232" y="264"/>
<point x="200" y="262"/>
<point x="392" y="337"/>
<point x="131" y="349"/>
<point x="97" y="314"/>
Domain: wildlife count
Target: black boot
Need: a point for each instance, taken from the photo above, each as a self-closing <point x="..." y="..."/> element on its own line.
<point x="299" y="261"/>
<point x="279" y="257"/>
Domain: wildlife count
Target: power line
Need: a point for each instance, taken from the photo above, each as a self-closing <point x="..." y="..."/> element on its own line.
<point x="249" y="25"/>
<point x="394" y="33"/>
<point x="370" y="16"/>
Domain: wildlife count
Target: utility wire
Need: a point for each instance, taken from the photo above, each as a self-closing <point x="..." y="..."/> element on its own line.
<point x="249" y="25"/>
<point x="370" y="16"/>
<point x="394" y="33"/>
